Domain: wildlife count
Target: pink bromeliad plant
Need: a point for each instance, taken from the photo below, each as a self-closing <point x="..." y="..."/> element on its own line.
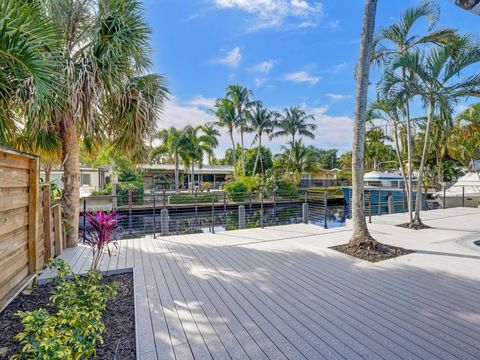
<point x="102" y="235"/>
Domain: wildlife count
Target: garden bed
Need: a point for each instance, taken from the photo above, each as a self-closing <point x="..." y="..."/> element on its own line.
<point x="119" y="319"/>
<point x="379" y="253"/>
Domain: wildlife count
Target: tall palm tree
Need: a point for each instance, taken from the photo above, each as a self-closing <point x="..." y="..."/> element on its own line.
<point x="295" y="121"/>
<point x="104" y="53"/>
<point x="225" y="113"/>
<point x="437" y="79"/>
<point x="212" y="134"/>
<point x="259" y="121"/>
<point x="360" y="234"/>
<point x="397" y="40"/>
<point x="240" y="96"/>
<point x="194" y="146"/>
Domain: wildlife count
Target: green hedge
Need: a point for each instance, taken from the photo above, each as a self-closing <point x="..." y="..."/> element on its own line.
<point x="236" y="191"/>
<point x="286" y="189"/>
<point x="190" y="199"/>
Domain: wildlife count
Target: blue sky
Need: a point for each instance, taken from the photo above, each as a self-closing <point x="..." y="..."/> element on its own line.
<point x="289" y="52"/>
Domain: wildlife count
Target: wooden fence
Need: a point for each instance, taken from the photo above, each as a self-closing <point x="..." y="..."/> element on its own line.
<point x="30" y="227"/>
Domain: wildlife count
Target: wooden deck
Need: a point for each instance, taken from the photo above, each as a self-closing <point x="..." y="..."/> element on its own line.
<point x="280" y="293"/>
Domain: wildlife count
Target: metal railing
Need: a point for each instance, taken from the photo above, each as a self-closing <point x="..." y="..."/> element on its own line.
<point x="182" y="213"/>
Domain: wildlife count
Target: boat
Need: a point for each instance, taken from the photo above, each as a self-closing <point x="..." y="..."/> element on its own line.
<point x="464" y="192"/>
<point x="378" y="188"/>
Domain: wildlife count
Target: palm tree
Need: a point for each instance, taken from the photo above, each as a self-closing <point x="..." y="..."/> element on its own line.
<point x="360" y="235"/>
<point x="259" y="121"/>
<point x="297" y="159"/>
<point x="401" y="42"/>
<point x="437" y="80"/>
<point x="175" y="146"/>
<point x="102" y="58"/>
<point x="225" y="113"/>
<point x="375" y="147"/>
<point x="240" y="96"/>
<point x="464" y="141"/>
<point x="212" y="135"/>
<point x="295" y="121"/>
<point x="194" y="146"/>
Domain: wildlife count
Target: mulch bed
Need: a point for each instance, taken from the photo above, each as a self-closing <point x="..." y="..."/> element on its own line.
<point x="379" y="253"/>
<point x="414" y="226"/>
<point x="119" y="320"/>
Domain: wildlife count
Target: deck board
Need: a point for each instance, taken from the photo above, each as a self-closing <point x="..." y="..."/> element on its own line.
<point x="280" y="292"/>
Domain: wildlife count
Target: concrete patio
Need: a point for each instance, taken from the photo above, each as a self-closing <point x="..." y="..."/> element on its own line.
<point x="279" y="292"/>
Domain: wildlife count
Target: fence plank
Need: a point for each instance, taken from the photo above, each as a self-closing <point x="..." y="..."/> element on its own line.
<point x="58" y="229"/>
<point x="33" y="205"/>
<point x="47" y="222"/>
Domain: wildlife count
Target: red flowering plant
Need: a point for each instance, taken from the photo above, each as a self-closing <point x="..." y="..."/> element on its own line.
<point x="101" y="237"/>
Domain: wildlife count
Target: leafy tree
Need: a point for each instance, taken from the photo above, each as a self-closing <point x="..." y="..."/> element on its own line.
<point x="376" y="150"/>
<point x="252" y="158"/>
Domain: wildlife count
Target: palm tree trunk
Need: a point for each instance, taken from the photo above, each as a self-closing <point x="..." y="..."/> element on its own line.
<point x="47" y="169"/>
<point x="360" y="235"/>
<point x="193" y="176"/>
<point x="258" y="155"/>
<point x="243" y="151"/>
<point x="417" y="221"/>
<point x="234" y="151"/>
<point x="399" y="155"/>
<point x="70" y="180"/>
<point x="176" y="172"/>
<point x="409" y="157"/>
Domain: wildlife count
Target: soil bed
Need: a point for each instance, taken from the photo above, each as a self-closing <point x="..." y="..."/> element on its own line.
<point x="414" y="226"/>
<point x="119" y="319"/>
<point x="379" y="253"/>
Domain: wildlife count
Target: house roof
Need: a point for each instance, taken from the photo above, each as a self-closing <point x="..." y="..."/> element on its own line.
<point x="205" y="169"/>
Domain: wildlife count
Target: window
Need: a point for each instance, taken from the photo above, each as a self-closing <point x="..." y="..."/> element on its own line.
<point x="86" y="179"/>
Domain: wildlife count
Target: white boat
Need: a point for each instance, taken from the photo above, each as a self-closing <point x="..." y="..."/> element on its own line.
<point x="466" y="192"/>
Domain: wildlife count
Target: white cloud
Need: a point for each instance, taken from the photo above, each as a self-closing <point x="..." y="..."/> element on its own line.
<point x="180" y="114"/>
<point x="302" y="77"/>
<point x="263" y="67"/>
<point x="231" y="59"/>
<point x="202" y="101"/>
<point x="338" y="67"/>
<point x="260" y="81"/>
<point x="277" y="13"/>
<point x="338" y="97"/>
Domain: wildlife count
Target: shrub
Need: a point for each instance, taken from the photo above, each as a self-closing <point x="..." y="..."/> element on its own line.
<point x="286" y="189"/>
<point x="190" y="199"/>
<point x="236" y="191"/>
<point x="102" y="235"/>
<point x="106" y="191"/>
<point x="75" y="327"/>
<point x="251" y="182"/>
<point x="137" y="192"/>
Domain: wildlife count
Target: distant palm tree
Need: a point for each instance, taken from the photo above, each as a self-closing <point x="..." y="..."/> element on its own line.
<point x="295" y="121"/>
<point x="212" y="135"/>
<point x="175" y="145"/>
<point x="225" y="113"/>
<point x="259" y="121"/>
<point x="296" y="159"/>
<point x="240" y="96"/>
<point x="194" y="146"/>
<point x="361" y="237"/>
